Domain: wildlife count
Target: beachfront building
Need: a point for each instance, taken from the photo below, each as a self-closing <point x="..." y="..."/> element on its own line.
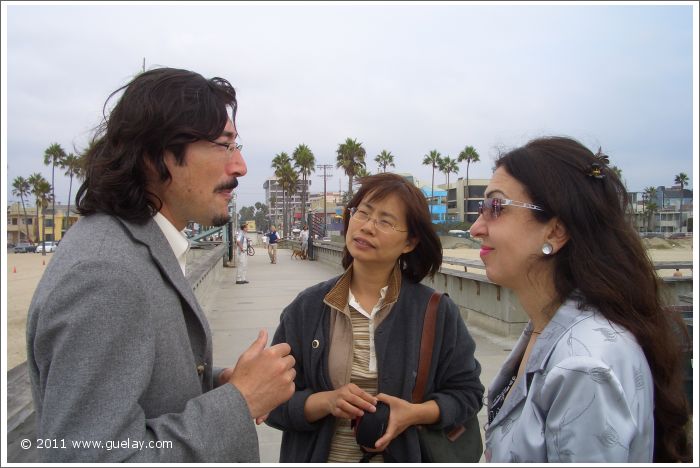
<point x="19" y="224"/>
<point x="672" y="211"/>
<point x="437" y="203"/>
<point x="274" y="198"/>
<point x="328" y="213"/>
<point x="462" y="201"/>
<point x="675" y="208"/>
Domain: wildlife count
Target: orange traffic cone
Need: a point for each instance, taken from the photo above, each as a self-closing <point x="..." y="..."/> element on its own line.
<point x="14" y="269"/>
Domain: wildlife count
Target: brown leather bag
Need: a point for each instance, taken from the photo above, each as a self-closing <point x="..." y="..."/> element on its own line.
<point x="459" y="444"/>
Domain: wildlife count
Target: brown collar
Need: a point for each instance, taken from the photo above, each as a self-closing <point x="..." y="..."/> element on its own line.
<point x="337" y="297"/>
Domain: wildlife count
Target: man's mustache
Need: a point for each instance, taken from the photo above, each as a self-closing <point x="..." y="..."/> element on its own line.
<point x="230" y="185"/>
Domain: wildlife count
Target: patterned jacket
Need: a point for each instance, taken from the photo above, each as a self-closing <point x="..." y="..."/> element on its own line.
<point x="587" y="395"/>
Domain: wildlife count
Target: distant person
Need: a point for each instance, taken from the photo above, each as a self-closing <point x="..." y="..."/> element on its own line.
<point x="596" y="374"/>
<point x="242" y="250"/>
<point x="356" y="338"/>
<point x="119" y="350"/>
<point x="272" y="240"/>
<point x="304" y="238"/>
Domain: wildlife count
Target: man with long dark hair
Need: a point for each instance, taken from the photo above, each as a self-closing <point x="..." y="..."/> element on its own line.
<point x="119" y="350"/>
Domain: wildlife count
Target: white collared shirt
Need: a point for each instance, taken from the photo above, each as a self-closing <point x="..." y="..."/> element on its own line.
<point x="177" y="239"/>
<point x="371" y="316"/>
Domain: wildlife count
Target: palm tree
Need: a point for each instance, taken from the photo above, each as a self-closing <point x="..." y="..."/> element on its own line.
<point x="21" y="188"/>
<point x="681" y="179"/>
<point x="43" y="191"/>
<point x="362" y="172"/>
<point x="470" y="155"/>
<point x="273" y="203"/>
<point x="650" y="206"/>
<point x="280" y="160"/>
<point x="54" y="156"/>
<point x="432" y="159"/>
<point x="82" y="156"/>
<point x="305" y="163"/>
<point x="448" y="166"/>
<point x="384" y="159"/>
<point x="351" y="157"/>
<point x="71" y="164"/>
<point x="288" y="179"/>
<point x="35" y="180"/>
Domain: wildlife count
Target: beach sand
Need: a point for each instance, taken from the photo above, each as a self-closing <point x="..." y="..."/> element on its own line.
<point x="24" y="272"/>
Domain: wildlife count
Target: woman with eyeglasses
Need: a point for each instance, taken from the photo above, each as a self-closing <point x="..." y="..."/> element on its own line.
<point x="356" y="338"/>
<point x="596" y="375"/>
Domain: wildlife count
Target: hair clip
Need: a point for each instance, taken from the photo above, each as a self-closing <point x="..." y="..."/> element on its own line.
<point x="602" y="157"/>
<point x="595" y="171"/>
<point x="596" y="168"/>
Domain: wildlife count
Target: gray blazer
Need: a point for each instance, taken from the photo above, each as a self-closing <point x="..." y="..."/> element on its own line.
<point x="120" y="354"/>
<point x="587" y="396"/>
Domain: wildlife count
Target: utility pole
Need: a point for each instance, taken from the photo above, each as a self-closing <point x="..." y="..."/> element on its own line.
<point x="325" y="176"/>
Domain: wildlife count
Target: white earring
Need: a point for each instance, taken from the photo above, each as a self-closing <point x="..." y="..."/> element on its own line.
<point x="547" y="248"/>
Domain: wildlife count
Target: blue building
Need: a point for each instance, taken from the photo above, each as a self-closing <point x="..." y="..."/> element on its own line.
<point x="437" y="202"/>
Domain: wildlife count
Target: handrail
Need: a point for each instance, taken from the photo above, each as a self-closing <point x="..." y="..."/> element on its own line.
<point x="674" y="265"/>
<point x="205" y="234"/>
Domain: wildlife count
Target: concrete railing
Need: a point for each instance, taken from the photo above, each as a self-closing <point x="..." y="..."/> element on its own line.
<point x="204" y="268"/>
<point x="494" y="308"/>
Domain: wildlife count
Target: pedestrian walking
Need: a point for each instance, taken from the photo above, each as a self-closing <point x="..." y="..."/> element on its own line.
<point x="242" y="251"/>
<point x="304" y="238"/>
<point x="272" y="240"/>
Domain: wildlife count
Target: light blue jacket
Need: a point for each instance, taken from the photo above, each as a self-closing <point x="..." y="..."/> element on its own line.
<point x="587" y="396"/>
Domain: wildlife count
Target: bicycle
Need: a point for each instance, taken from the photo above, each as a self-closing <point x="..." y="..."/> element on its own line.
<point x="251" y="250"/>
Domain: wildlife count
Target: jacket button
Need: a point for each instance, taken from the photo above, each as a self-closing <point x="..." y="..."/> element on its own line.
<point x="315" y="344"/>
<point x="200" y="369"/>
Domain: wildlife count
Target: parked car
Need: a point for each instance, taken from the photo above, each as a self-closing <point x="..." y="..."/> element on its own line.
<point x="459" y="233"/>
<point x="326" y="239"/>
<point x="24" y="247"/>
<point x="50" y="247"/>
<point x="677" y="235"/>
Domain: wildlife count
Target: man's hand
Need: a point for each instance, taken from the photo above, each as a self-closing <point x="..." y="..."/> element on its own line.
<point x="264" y="376"/>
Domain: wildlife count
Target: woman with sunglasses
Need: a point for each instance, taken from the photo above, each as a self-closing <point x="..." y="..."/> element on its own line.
<point x="596" y="374"/>
<point x="356" y="338"/>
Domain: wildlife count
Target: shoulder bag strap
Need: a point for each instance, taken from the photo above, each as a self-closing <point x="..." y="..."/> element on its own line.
<point x="426" y="352"/>
<point x="426" y="347"/>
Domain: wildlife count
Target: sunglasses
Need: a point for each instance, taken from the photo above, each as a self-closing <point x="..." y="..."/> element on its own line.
<point x="494" y="206"/>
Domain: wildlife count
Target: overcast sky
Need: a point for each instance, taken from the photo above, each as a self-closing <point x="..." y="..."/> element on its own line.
<point x="405" y="78"/>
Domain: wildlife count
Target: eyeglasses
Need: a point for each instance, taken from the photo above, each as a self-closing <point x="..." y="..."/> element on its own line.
<point x="382" y="224"/>
<point x="230" y="147"/>
<point x="495" y="205"/>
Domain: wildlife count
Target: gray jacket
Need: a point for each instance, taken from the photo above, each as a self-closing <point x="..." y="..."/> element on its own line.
<point x="453" y="380"/>
<point x="120" y="353"/>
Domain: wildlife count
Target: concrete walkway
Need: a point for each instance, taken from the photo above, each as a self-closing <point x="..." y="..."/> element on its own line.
<point x="237" y="312"/>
